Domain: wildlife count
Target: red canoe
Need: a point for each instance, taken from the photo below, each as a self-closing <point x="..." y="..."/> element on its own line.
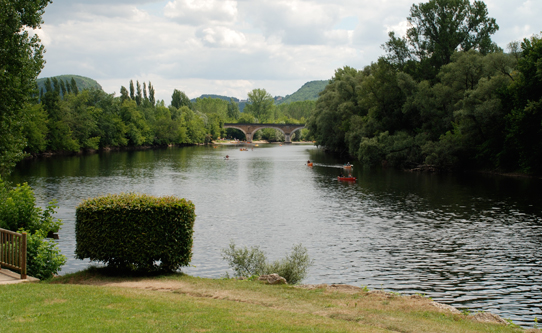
<point x="347" y="179"/>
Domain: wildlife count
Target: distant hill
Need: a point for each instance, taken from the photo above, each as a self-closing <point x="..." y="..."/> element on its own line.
<point x="308" y="92"/>
<point x="82" y="82"/>
<point x="226" y="98"/>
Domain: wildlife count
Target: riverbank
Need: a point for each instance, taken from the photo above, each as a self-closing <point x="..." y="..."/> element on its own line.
<point x="93" y="301"/>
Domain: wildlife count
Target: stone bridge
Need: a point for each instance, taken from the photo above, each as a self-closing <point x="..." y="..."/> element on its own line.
<point x="250" y="129"/>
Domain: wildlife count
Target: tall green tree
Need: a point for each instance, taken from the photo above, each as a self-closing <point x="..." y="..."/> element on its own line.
<point x="139" y="96"/>
<point x="74" y="87"/>
<point x="179" y="99"/>
<point x="145" y="92"/>
<point x="63" y="89"/>
<point x="68" y="87"/>
<point x="438" y="28"/>
<point x="260" y="105"/>
<point x="21" y="61"/>
<point x="151" y="94"/>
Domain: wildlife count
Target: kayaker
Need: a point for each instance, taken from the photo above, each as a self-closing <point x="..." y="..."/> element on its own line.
<point x="308" y="162"/>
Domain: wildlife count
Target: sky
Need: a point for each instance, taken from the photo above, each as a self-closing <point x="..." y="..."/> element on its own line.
<point x="229" y="47"/>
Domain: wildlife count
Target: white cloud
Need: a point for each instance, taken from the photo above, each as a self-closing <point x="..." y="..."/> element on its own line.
<point x="221" y="37"/>
<point x="197" y="12"/>
<point x="230" y="47"/>
<point x="400" y="28"/>
<point x="294" y="22"/>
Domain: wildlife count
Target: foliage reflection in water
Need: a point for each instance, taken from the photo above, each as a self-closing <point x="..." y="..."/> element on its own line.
<point x="472" y="241"/>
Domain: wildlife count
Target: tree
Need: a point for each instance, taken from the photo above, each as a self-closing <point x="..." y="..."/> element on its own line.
<point x="35" y="128"/>
<point x="260" y="104"/>
<point x="438" y="28"/>
<point x="123" y="94"/>
<point x="233" y="110"/>
<point x="139" y="97"/>
<point x="145" y="92"/>
<point x="132" y="91"/>
<point x="56" y="85"/>
<point x="74" y="87"/>
<point x="68" y="87"/>
<point x="63" y="88"/>
<point x="151" y="94"/>
<point x="209" y="105"/>
<point x="335" y="108"/>
<point x="21" y="60"/>
<point x="523" y="101"/>
<point x="179" y="99"/>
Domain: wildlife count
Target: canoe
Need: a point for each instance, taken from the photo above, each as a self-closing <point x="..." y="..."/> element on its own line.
<point x="309" y="164"/>
<point x="347" y="179"/>
<point x="347" y="166"/>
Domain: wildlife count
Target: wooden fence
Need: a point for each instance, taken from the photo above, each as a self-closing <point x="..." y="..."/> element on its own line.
<point x="13" y="251"/>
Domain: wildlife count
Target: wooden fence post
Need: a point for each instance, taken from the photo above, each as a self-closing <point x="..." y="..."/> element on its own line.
<point x="1" y="249"/>
<point x="23" y="256"/>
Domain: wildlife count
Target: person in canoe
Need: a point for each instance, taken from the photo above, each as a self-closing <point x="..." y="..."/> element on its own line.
<point x="227" y="157"/>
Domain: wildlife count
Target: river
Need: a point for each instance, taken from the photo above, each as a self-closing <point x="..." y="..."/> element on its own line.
<point x="472" y="241"/>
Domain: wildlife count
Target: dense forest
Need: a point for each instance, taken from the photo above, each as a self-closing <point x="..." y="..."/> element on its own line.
<point x="444" y="96"/>
<point x="65" y="118"/>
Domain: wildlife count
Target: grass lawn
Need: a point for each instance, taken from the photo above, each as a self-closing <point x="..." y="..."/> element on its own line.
<point x="92" y="301"/>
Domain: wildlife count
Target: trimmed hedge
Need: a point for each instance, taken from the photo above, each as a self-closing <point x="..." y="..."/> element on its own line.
<point x="135" y="231"/>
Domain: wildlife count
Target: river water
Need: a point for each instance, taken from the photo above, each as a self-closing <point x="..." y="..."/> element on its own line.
<point x="472" y="241"/>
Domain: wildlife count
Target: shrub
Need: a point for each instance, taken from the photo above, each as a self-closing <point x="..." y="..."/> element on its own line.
<point x="18" y="212"/>
<point x="135" y="231"/>
<point x="245" y="262"/>
<point x="43" y="256"/>
<point x="248" y="262"/>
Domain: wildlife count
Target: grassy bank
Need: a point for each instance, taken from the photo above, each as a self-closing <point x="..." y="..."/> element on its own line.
<point x="97" y="302"/>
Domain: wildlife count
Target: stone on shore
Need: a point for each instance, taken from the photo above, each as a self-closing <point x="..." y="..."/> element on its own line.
<point x="273" y="279"/>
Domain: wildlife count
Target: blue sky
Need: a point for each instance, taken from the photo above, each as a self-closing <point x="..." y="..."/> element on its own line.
<point x="230" y="47"/>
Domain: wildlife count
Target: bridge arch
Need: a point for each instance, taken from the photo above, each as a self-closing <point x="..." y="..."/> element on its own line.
<point x="250" y="129"/>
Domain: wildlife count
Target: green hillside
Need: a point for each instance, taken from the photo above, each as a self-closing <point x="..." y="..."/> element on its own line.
<point x="82" y="82"/>
<point x="308" y="92"/>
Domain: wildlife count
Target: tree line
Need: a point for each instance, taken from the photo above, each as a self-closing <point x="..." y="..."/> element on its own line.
<point x="443" y="95"/>
<point x="63" y="118"/>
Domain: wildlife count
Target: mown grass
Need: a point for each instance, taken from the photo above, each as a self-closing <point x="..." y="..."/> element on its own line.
<point x="95" y="301"/>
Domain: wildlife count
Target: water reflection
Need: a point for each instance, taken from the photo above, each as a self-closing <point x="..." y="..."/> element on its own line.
<point x="472" y="241"/>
